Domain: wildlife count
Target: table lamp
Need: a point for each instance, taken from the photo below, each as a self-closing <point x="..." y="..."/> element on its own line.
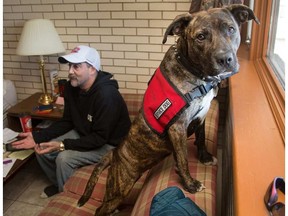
<point x="39" y="37"/>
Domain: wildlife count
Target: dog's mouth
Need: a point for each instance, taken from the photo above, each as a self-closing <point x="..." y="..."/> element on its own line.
<point x="224" y="72"/>
<point x="227" y="74"/>
<point x="218" y="78"/>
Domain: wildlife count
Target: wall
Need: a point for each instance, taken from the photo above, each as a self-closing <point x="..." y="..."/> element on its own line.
<point x="128" y="35"/>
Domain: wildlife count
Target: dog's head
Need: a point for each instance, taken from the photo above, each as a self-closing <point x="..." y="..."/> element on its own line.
<point x="210" y="39"/>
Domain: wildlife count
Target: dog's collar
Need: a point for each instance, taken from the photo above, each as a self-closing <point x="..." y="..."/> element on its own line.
<point x="184" y="61"/>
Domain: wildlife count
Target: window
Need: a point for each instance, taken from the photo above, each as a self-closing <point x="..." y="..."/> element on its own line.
<point x="269" y="53"/>
<point x="278" y="39"/>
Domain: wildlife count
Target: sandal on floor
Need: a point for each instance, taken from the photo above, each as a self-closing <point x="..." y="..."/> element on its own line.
<point x="275" y="207"/>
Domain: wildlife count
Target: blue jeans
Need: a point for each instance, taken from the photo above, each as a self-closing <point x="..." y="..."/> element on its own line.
<point x="59" y="166"/>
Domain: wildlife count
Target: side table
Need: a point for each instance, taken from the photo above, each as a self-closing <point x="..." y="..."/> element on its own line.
<point x="28" y="105"/>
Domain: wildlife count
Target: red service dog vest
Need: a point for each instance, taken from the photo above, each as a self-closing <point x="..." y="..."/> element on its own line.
<point x="162" y="103"/>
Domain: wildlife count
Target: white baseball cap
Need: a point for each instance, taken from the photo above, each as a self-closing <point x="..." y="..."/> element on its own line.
<point x="82" y="54"/>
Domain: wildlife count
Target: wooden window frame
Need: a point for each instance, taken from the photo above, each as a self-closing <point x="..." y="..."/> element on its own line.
<point x="258" y="54"/>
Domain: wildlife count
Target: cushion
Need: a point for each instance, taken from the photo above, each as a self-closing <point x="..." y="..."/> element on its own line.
<point x="76" y="184"/>
<point x="65" y="203"/>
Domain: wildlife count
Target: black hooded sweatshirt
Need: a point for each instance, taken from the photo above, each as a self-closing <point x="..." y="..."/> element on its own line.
<point x="100" y="116"/>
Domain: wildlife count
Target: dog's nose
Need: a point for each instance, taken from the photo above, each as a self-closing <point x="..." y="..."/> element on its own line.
<point x="225" y="59"/>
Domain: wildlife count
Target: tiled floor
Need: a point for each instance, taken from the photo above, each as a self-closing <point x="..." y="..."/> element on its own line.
<point x="21" y="195"/>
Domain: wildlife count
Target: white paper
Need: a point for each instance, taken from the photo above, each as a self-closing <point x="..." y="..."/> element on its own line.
<point x="54" y="82"/>
<point x="7" y="166"/>
<point x="9" y="135"/>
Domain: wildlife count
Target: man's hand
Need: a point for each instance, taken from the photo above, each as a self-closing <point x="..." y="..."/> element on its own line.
<point x="47" y="147"/>
<point x="26" y="142"/>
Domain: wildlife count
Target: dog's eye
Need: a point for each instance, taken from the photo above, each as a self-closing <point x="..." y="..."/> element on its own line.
<point x="201" y="37"/>
<point x="231" y="30"/>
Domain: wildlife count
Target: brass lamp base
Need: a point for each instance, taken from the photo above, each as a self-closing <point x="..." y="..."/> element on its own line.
<point x="45" y="99"/>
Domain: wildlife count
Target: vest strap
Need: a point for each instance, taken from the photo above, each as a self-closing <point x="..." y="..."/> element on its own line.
<point x="199" y="91"/>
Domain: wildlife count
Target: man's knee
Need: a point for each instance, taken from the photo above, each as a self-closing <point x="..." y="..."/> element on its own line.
<point x="63" y="158"/>
<point x="47" y="157"/>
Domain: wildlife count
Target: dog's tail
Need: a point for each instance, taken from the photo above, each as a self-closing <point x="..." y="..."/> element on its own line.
<point x="105" y="162"/>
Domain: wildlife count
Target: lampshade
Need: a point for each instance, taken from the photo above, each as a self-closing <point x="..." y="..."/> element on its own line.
<point x="39" y="37"/>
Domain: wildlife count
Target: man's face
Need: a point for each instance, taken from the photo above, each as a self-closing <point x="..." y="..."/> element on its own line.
<point x="79" y="74"/>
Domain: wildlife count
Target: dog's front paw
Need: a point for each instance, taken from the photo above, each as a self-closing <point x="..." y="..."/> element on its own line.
<point x="211" y="163"/>
<point x="196" y="186"/>
<point x="206" y="158"/>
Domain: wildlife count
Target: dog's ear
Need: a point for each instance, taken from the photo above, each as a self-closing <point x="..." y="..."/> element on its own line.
<point x="242" y="13"/>
<point x="178" y="26"/>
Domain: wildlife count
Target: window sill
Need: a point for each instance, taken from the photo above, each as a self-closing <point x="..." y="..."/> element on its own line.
<point x="258" y="150"/>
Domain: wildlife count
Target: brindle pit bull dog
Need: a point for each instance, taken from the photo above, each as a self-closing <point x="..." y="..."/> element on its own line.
<point x="204" y="54"/>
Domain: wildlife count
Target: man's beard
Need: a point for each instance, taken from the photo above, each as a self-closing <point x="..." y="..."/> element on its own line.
<point x="74" y="81"/>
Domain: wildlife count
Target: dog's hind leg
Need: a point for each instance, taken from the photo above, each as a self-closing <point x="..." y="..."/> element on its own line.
<point x="119" y="184"/>
<point x="180" y="154"/>
<point x="99" y="167"/>
<point x="109" y="207"/>
<point x="203" y="155"/>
